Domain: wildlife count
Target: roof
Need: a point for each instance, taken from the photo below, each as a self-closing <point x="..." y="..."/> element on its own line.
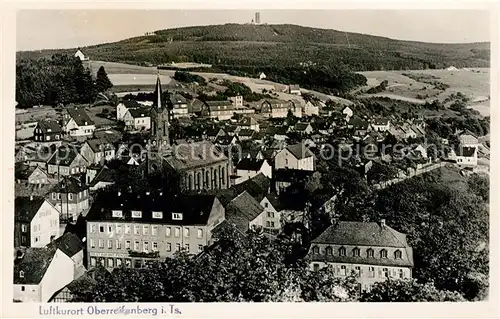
<point x="274" y="200"/>
<point x="177" y="98"/>
<point x="195" y="105"/>
<point x="363" y="260"/>
<point x="65" y="155"/>
<point x="246" y="132"/>
<point x="80" y="117"/>
<point x="276" y="130"/>
<point x="248" y="120"/>
<point x="131" y="104"/>
<point x="294" y="87"/>
<point x="69" y="184"/>
<point x="48" y="126"/>
<point x="99" y="145"/>
<point x="68" y="243"/>
<point x="25" y="208"/>
<point x="139" y="112"/>
<point x="362" y="234"/>
<point x="250" y="164"/>
<point x="257" y="186"/>
<point x="380" y="121"/>
<point x="218" y="105"/>
<point x="242" y="210"/>
<point x="34" y="264"/>
<point x="224" y="139"/>
<point x="23" y="172"/>
<point x="299" y="126"/>
<point x="82" y="283"/>
<point x="214" y="131"/>
<point x="466" y="151"/>
<point x="105" y="175"/>
<point x="300" y="151"/>
<point x="195" y="154"/>
<point x="196" y="208"/>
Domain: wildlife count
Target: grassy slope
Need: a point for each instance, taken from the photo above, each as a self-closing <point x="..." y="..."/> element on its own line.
<point x="280" y="44"/>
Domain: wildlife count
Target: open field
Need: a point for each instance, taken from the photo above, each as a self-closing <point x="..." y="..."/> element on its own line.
<point x="37" y="114"/>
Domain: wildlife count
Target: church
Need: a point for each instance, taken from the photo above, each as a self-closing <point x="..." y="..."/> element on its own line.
<point x="202" y="165"/>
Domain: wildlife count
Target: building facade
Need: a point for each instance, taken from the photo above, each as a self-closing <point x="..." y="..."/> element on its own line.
<point x="297" y="157"/>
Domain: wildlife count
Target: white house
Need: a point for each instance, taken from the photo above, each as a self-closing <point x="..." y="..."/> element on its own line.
<point x="123" y="107"/>
<point x="237" y="101"/>
<point x="36" y="222"/>
<point x="250" y="123"/>
<point x="297" y="157"/>
<point x="348" y="113"/>
<point x="77" y="122"/>
<point x="97" y="151"/>
<point x="248" y="168"/>
<point x="466" y="156"/>
<point x="469" y="140"/>
<point x="137" y="119"/>
<point x="311" y="108"/>
<point x="262" y="76"/>
<point x="381" y="124"/>
<point x="79" y="54"/>
<point x="294" y="89"/>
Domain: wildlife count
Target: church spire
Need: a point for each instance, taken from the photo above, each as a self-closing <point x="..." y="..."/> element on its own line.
<point x="158" y="102"/>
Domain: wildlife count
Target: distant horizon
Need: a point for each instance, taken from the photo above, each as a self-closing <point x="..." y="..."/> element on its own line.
<point x="70" y="30"/>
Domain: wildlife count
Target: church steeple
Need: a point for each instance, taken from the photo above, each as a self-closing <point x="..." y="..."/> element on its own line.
<point x="158" y="101"/>
<point x="159" y="119"/>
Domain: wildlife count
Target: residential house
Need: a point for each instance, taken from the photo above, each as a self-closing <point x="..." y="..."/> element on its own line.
<point x="303" y="128"/>
<point x="279" y="108"/>
<point x="468" y="140"/>
<point x="237" y="101"/>
<point x="212" y="134"/>
<point x="245" y="134"/>
<point x="283" y="178"/>
<point x="66" y="161"/>
<point x="244" y="212"/>
<point x="311" y="108"/>
<point x="197" y="107"/>
<point x="262" y="76"/>
<point x="221" y="110"/>
<point x="248" y="168"/>
<point x="132" y="229"/>
<point x="79" y="54"/>
<point x="294" y="89"/>
<point x="348" y="113"/>
<point x="137" y="119"/>
<point x="465" y="156"/>
<point x="278" y="133"/>
<point x="248" y="122"/>
<point x="178" y="105"/>
<point x="359" y="125"/>
<point x="123" y="107"/>
<point x="77" y="122"/>
<point x="31" y="175"/>
<point x="297" y="157"/>
<point x="106" y="177"/>
<point x="71" y="245"/>
<point x="36" y="222"/>
<point x="381" y="124"/>
<point x="272" y="213"/>
<point x="86" y="283"/>
<point x="47" y="132"/>
<point x="408" y="131"/>
<point x="372" y="251"/>
<point x="71" y="198"/>
<point x="97" y="151"/>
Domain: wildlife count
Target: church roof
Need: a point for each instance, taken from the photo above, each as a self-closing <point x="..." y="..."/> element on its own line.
<point x="196" y="154"/>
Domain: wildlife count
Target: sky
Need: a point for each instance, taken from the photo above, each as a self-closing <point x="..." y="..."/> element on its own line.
<point x="54" y="29"/>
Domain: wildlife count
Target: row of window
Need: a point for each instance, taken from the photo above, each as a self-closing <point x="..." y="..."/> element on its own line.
<point x="356" y="252"/>
<point x="47" y="138"/>
<point x="382" y="272"/>
<point x="56" y="196"/>
<point x="269" y="224"/>
<point x="118" y="262"/>
<point x="196" y="181"/>
<point x="137" y="245"/>
<point x="119" y="229"/>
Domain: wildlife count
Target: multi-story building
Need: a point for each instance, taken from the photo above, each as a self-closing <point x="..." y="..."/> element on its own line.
<point x="36" y="222"/>
<point x="66" y="161"/>
<point x="134" y="229"/>
<point x="47" y="132"/>
<point x="248" y="168"/>
<point x="280" y="108"/>
<point x="77" y="122"/>
<point x="137" y="119"/>
<point x="97" y="151"/>
<point x="70" y="197"/>
<point x="296" y="156"/>
<point x="178" y="104"/>
<point x="371" y="251"/>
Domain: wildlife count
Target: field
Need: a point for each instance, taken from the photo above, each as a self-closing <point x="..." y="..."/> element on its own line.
<point x="473" y="83"/>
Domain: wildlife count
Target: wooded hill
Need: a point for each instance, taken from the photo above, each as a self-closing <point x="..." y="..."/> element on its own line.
<point x="247" y="45"/>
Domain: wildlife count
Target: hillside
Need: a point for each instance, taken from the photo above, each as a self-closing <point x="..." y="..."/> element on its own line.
<point x="242" y="46"/>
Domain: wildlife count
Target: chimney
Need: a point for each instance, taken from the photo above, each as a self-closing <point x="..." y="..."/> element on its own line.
<point x="382" y="223"/>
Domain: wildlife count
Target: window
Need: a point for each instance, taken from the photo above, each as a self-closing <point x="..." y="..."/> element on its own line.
<point x="268" y="223"/>
<point x="92" y="243"/>
<point x="177" y="247"/>
<point x="186" y="247"/>
<point x="286" y="161"/>
<point x="110" y="244"/>
<point x="24" y="228"/>
<point x="117" y="213"/>
<point x="200" y="248"/>
<point x="118" y="229"/>
<point x="157" y="214"/>
<point x="110" y="228"/>
<point x="168" y="230"/>
<point x="357" y="270"/>
<point x="23" y="240"/>
<point x="315" y="250"/>
<point x="21" y="274"/>
<point x="186" y="232"/>
<point x="22" y="288"/>
<point x="154" y="230"/>
<point x="355" y="252"/>
<point x="136" y="214"/>
<point x="101" y="243"/>
<point x="118" y="262"/>
<point x="101" y="261"/>
<point x="110" y="263"/>
<point x="343" y="270"/>
<point x="270" y="214"/>
<point x="200" y="232"/>
<point x="397" y="254"/>
<point x="70" y="196"/>
<point x="145" y="230"/>
<point x="127" y="229"/>
<point x="266" y="205"/>
<point x="176" y="216"/>
<point x="128" y="262"/>
<point x="168" y="247"/>
<point x="316" y="267"/>
<point x="145" y="246"/>
<point x="127" y="244"/>
<point x="329" y="250"/>
<point x="58" y="196"/>
<point x="369" y="253"/>
<point x="401" y="273"/>
<point x="342" y="251"/>
<point x="154" y="246"/>
<point x="93" y="261"/>
<point x="118" y="244"/>
<point x="93" y="228"/>
<point x="177" y="231"/>
<point x="136" y="246"/>
<point x="386" y="272"/>
<point x="101" y="229"/>
<point x="383" y="253"/>
<point x="371" y="272"/>
<point x="53" y="196"/>
<point x="136" y="230"/>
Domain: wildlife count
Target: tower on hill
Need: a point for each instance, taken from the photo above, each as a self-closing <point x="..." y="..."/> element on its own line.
<point x="257" y="17"/>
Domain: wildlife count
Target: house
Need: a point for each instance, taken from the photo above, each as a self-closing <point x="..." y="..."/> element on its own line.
<point x="248" y="122"/>
<point x="244" y="212"/>
<point x="311" y="108"/>
<point x="262" y="76"/>
<point x="86" y="283"/>
<point x="237" y="101"/>
<point x="278" y="133"/>
<point x="279" y="108"/>
<point x="303" y="128"/>
<point x="248" y="168"/>
<point x="294" y="89"/>
<point x="221" y="110"/>
<point x="31" y="175"/>
<point x="196" y="107"/>
<point x="466" y="156"/>
<point x="212" y="134"/>
<point x="178" y="105"/>
<point x="36" y="222"/>
<point x="283" y="178"/>
<point x="104" y="178"/>
<point x="123" y="107"/>
<point x="468" y="140"/>
<point x="348" y="113"/>
<point x="297" y="157"/>
<point x="372" y="251"/>
<point x="97" y="151"/>
<point x="273" y="210"/>
<point x="420" y="149"/>
<point x="79" y="54"/>
<point x="137" y="119"/>
<point x="47" y="132"/>
<point x="71" y="245"/>
<point x="77" y="122"/>
<point x="245" y="134"/>
<point x="132" y="229"/>
<point x="71" y="198"/>
<point x="359" y="125"/>
<point x="381" y="124"/>
<point x="66" y="161"/>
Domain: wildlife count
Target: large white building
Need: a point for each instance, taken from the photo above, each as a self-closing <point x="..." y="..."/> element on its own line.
<point x="297" y="157"/>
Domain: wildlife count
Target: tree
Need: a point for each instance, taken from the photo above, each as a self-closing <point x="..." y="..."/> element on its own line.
<point x="102" y="82"/>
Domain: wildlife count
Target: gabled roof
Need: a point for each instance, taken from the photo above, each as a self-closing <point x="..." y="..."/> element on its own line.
<point x="177" y="98"/>
<point x="24" y="172"/>
<point x="276" y="130"/>
<point x="466" y="151"/>
<point x="34" y="265"/>
<point x="105" y="175"/>
<point x="26" y="208"/>
<point x="195" y="106"/>
<point x="219" y="105"/>
<point x="248" y="121"/>
<point x="381" y="121"/>
<point x="139" y="112"/>
<point x="242" y="210"/>
<point x="48" y="126"/>
<point x="224" y="139"/>
<point x="246" y="132"/>
<point x="257" y="186"/>
<point x="299" y="126"/>
<point x="99" y="145"/>
<point x="250" y="164"/>
<point x="80" y="117"/>
<point x="69" y="184"/>
<point x="195" y="154"/>
<point x="300" y="151"/>
<point x="65" y="155"/>
<point x="362" y="234"/>
<point x="68" y="243"/>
